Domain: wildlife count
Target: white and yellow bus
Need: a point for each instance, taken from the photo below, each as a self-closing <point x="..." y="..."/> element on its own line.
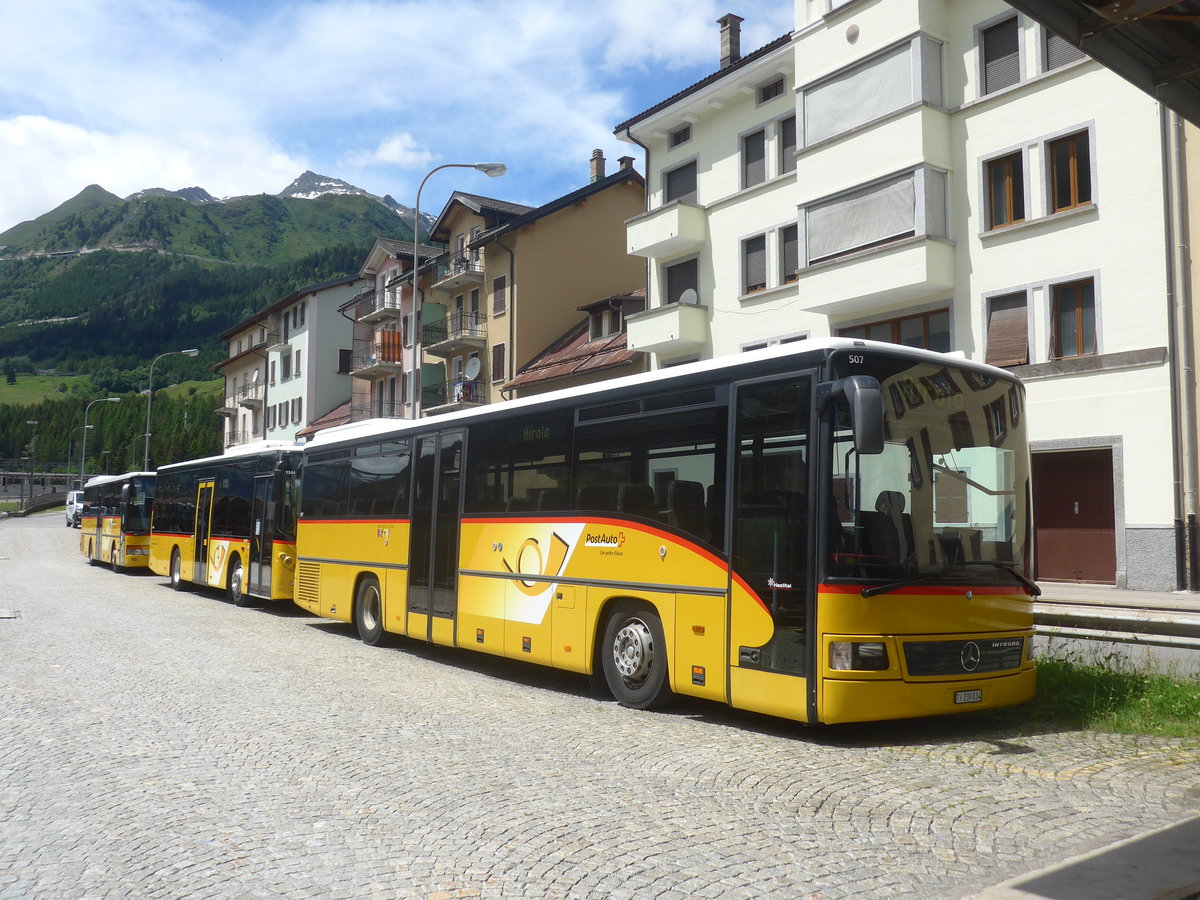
<point x="114" y="525"/>
<point x="831" y="531"/>
<point x="229" y="522"/>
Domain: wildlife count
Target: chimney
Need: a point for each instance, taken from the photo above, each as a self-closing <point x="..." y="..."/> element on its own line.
<point x="626" y="162"/>
<point x="597" y="165"/>
<point x="731" y="38"/>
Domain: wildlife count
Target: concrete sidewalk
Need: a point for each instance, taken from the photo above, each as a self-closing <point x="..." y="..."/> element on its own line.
<point x="1107" y="595"/>
<point x="1163" y="864"/>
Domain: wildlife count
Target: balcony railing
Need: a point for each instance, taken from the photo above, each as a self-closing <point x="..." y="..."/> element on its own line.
<point x="361" y="411"/>
<point x="384" y="354"/>
<point x="250" y="396"/>
<point x="375" y="306"/>
<point x="455" y="332"/>
<point x="237" y="438"/>
<point x="460" y="271"/>
<point x="454" y="394"/>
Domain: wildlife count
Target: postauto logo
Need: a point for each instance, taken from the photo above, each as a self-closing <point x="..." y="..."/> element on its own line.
<point x="607" y="539"/>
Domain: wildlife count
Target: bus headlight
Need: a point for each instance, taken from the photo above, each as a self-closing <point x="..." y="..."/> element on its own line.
<point x="869" y="656"/>
<point x="137" y="551"/>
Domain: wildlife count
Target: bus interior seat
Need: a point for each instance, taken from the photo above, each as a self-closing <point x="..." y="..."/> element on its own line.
<point x="549" y="498"/>
<point x="596" y="496"/>
<point x="636" y="498"/>
<point x="685" y="505"/>
<point x="888" y="531"/>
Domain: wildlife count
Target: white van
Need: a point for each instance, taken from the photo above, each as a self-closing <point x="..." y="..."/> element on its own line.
<point x="74" y="508"/>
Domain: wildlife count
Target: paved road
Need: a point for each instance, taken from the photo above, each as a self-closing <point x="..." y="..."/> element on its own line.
<point x="166" y="745"/>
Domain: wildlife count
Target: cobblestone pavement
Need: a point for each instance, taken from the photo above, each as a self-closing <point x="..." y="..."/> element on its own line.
<point x="155" y="744"/>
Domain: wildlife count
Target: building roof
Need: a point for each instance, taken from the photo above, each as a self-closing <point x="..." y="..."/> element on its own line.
<point x="500" y="210"/>
<point x="338" y="416"/>
<point x="575" y="354"/>
<point x="1154" y="45"/>
<point x="748" y="59"/>
<point x="286" y="301"/>
<point x="532" y="215"/>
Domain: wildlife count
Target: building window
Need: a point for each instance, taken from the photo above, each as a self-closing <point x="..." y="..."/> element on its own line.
<point x="272" y="371"/>
<point x="1007" y="330"/>
<point x="1001" y="55"/>
<point x="297" y="409"/>
<point x="1074" y="319"/>
<point x="869" y="90"/>
<point x="270" y="417"/>
<point x="1006" y="191"/>
<point x="789" y="254"/>
<point x="950" y="496"/>
<point x="1070" y="172"/>
<point x="774" y="342"/>
<point x="1057" y="51"/>
<point x="682" y="277"/>
<point x="605" y="323"/>
<point x="285" y="366"/>
<point x="499" y="295"/>
<point x="754" y="264"/>
<point x="754" y="159"/>
<point x="912" y="204"/>
<point x="296" y="367"/>
<point x="680" y="136"/>
<point x="497" y="363"/>
<point x="787" y="145"/>
<point x="301" y="312"/>
<point x="770" y="91"/>
<point x="239" y="348"/>
<point x="929" y="330"/>
<point x="681" y="183"/>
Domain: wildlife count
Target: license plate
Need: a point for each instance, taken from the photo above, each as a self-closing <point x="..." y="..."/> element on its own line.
<point x="968" y="696"/>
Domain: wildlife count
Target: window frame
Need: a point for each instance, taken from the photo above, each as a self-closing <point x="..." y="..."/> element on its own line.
<point x="1077" y="182"/>
<point x="677" y="137"/>
<point x="665" y="280"/>
<point x="757" y="287"/>
<point x="894" y="321"/>
<point x="1052" y="313"/>
<point x="1011" y="196"/>
<point x="981" y="31"/>
<point x="785" y="159"/>
<point x="499" y="295"/>
<point x="761" y="90"/>
<point x="693" y="196"/>
<point x="1045" y="35"/>
<point x="988" y="308"/>
<point x="745" y="163"/>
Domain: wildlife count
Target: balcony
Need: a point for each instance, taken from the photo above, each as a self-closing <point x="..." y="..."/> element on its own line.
<point x="250" y="396"/>
<point x="906" y="270"/>
<point x="384" y="356"/>
<point x="362" y="411"/>
<point x="378" y="306"/>
<point x="667" y="231"/>
<point x="237" y="438"/>
<point x="456" y="332"/>
<point x="460" y="272"/>
<point x="669" y="329"/>
<point x="455" y="394"/>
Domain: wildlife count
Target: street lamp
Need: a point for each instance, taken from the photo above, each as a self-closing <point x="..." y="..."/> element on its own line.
<point x="491" y="170"/>
<point x="83" y="441"/>
<point x="150" y="397"/>
<point x="32" y="457"/>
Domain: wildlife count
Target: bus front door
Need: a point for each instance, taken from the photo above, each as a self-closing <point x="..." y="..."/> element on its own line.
<point x="204" y="499"/>
<point x="262" y="537"/>
<point x="433" y="542"/>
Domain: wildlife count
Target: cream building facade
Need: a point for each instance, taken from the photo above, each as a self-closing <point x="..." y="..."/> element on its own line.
<point x="948" y="174"/>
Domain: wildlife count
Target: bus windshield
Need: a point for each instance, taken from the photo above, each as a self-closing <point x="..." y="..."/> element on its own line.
<point x="948" y="498"/>
<point x="137" y="503"/>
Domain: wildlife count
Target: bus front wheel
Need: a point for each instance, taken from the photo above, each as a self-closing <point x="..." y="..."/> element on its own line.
<point x="176" y="572"/>
<point x="368" y="612"/>
<point x="635" y="657"/>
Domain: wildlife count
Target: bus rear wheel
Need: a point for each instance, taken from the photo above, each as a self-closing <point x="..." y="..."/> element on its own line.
<point x="175" y="576"/>
<point x="368" y="612"/>
<point x="634" y="655"/>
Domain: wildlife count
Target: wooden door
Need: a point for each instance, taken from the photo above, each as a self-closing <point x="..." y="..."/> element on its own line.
<point x="1074" y="516"/>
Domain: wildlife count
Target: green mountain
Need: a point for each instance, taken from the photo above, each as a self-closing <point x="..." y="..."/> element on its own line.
<point x="258" y="230"/>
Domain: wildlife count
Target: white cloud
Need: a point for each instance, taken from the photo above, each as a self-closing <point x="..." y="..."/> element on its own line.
<point x="393" y="150"/>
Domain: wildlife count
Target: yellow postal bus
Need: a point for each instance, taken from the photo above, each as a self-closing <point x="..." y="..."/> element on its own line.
<point x="831" y="531"/>
<point x="229" y="522"/>
<point x="114" y="526"/>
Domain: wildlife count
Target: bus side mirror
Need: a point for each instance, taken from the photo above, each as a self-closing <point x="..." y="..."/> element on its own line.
<point x="125" y="494"/>
<point x="861" y="393"/>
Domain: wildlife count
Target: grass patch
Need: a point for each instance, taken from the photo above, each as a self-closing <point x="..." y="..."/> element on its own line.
<point x="1103" y="698"/>
<point x="203" y="389"/>
<point x="30" y="390"/>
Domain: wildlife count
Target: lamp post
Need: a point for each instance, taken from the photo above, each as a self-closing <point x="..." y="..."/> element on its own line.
<point x="491" y="170"/>
<point x="83" y="440"/>
<point x="32" y="457"/>
<point x="150" y="397"/>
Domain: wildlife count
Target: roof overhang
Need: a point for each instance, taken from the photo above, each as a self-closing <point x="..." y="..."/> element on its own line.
<point x="1152" y="44"/>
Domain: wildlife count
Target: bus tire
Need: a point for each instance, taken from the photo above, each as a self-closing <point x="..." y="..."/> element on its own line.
<point x="235" y="584"/>
<point x="634" y="656"/>
<point x="368" y="612"/>
<point x="175" y="573"/>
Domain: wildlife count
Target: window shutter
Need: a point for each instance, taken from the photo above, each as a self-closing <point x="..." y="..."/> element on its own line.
<point x="754" y="158"/>
<point x="680" y="277"/>
<point x="499" y="295"/>
<point x="755" y="254"/>
<point x="498" y="363"/>
<point x="681" y="183"/>
<point x="1007" y="332"/>
<point x="790" y="253"/>
<point x="1059" y="51"/>
<point x="787" y="145"/>
<point x="1001" y="56"/>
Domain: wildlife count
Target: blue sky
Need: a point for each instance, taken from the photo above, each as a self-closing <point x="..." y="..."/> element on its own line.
<point x="240" y="97"/>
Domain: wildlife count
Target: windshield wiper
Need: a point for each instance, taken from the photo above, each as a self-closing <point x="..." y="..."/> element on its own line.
<point x="935" y="576"/>
<point x="1030" y="586"/>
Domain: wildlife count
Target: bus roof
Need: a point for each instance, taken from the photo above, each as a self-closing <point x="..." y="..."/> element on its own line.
<point x="98" y="480"/>
<point x="817" y="349"/>
<point x="242" y="450"/>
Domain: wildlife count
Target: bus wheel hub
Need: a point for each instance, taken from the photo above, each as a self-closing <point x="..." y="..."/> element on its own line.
<point x="633" y="650"/>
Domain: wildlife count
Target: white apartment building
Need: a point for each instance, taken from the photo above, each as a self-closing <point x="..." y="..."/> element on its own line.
<point x="946" y="174"/>
<point x="288" y="365"/>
